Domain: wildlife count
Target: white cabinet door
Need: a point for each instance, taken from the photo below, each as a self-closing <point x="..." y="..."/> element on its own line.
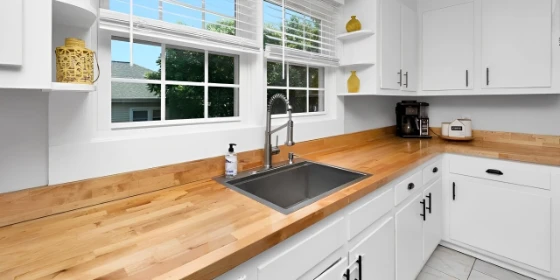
<point x="376" y="252"/>
<point x="433" y="227"/>
<point x="503" y="219"/>
<point x="11" y="29"/>
<point x="516" y="43"/>
<point x="336" y="272"/>
<point x="409" y="48"/>
<point x="448" y="48"/>
<point x="409" y="241"/>
<point x="390" y="59"/>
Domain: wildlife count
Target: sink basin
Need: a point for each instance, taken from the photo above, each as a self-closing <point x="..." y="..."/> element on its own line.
<point x="290" y="187"/>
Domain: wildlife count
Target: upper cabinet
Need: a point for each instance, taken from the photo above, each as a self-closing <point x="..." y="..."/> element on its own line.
<point x="448" y="48"/>
<point x="516" y="43"/>
<point x="399" y="49"/>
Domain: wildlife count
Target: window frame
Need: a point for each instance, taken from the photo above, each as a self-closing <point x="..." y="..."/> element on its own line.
<point x="322" y="72"/>
<point x="163" y="83"/>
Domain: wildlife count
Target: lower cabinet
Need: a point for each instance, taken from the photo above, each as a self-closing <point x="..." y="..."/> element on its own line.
<point x="504" y="219"/>
<point x="433" y="226"/>
<point x="339" y="271"/>
<point x="409" y="240"/>
<point x="375" y="254"/>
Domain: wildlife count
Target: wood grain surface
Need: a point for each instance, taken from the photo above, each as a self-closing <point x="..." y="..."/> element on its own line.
<point x="200" y="229"/>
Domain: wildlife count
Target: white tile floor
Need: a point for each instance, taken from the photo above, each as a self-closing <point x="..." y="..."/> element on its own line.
<point x="447" y="264"/>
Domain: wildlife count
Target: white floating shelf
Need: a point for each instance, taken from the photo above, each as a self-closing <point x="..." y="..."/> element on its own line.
<point x="79" y="13"/>
<point x="66" y="87"/>
<point x="357" y="64"/>
<point x="356" y="35"/>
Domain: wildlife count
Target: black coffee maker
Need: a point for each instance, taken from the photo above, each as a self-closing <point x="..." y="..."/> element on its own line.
<point x="412" y="119"/>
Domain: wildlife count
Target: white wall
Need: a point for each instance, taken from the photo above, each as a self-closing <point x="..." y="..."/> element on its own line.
<point x="537" y="114"/>
<point x="23" y="139"/>
<point x="368" y="112"/>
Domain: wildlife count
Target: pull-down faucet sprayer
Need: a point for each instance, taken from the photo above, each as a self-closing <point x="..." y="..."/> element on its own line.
<point x="268" y="149"/>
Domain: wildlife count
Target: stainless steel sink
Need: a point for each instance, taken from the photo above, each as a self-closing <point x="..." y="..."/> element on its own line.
<point x="290" y="187"/>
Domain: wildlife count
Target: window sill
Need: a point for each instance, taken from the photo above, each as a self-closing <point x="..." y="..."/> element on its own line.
<point x="148" y="124"/>
<point x="300" y="115"/>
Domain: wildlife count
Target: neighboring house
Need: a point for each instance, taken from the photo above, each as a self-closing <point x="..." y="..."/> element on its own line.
<point x="132" y="102"/>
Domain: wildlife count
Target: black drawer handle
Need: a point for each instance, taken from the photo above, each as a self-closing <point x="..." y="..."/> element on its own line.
<point x="495" y="172"/>
<point x="410" y="186"/>
<point x="435" y="170"/>
<point x="423" y="202"/>
<point x="429" y="208"/>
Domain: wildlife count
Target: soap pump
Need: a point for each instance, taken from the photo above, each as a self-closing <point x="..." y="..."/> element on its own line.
<point x="231" y="162"/>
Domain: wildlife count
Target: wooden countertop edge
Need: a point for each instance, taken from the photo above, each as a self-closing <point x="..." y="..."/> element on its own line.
<point x="228" y="257"/>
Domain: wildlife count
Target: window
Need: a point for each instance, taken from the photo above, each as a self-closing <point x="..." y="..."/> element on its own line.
<point x="302" y="31"/>
<point x="171" y="83"/>
<point x="303" y="86"/>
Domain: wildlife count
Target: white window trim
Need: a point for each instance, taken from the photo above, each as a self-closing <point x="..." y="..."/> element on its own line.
<point x="206" y="84"/>
<point x="307" y="89"/>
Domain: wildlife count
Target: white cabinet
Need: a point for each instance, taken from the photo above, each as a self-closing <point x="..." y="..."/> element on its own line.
<point x="448" y="48"/>
<point x="503" y="219"/>
<point x="516" y="43"/>
<point x="376" y="252"/>
<point x="398" y="57"/>
<point x="11" y="30"/>
<point x="409" y="241"/>
<point x="409" y="49"/>
<point x="390" y="57"/>
<point x="433" y="226"/>
<point x="335" y="272"/>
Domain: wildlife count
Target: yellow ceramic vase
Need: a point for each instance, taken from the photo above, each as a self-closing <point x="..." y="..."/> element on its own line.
<point x="353" y="83"/>
<point x="353" y="25"/>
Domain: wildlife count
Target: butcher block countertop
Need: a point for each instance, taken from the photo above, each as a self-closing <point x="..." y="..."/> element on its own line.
<point x="202" y="229"/>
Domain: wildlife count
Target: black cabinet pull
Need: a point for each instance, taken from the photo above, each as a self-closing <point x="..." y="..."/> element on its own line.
<point x="487" y="76"/>
<point x="453" y="190"/>
<point x="435" y="170"/>
<point x="467" y="77"/>
<point x="429" y="196"/>
<point x="359" y="262"/>
<point x="410" y="186"/>
<point x="400" y="77"/>
<point x="423" y="202"/>
<point x="495" y="172"/>
<point x="406" y="79"/>
<point x="347" y="274"/>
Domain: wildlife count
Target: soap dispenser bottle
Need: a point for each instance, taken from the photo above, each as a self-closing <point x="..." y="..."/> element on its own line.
<point x="231" y="162"/>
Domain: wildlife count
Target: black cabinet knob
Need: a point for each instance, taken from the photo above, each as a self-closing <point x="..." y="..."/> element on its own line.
<point x="494" y="172"/>
<point x="410" y="186"/>
<point x="435" y="170"/>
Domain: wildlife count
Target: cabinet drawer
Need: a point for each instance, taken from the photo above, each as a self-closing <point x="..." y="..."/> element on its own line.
<point x="431" y="171"/>
<point x="407" y="187"/>
<point x="503" y="171"/>
<point x="335" y="272"/>
<point x="295" y="261"/>
<point x="366" y="213"/>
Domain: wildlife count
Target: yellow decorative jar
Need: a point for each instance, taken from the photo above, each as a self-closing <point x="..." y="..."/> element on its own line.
<point x="353" y="83"/>
<point x="353" y="25"/>
<point x="74" y="62"/>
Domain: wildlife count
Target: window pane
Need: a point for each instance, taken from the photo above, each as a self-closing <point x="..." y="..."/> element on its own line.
<point x="316" y="101"/>
<point x="220" y="24"/>
<point x="127" y="99"/>
<point x="221" y="69"/>
<point x="146" y="60"/>
<point x="315" y="77"/>
<point x="274" y="74"/>
<point x="181" y="13"/>
<point x="298" y="100"/>
<point x="298" y="76"/>
<point x="142" y="8"/>
<point x="184" y="65"/>
<point x="156" y="115"/>
<point x="312" y="35"/>
<point x="223" y="102"/>
<point x="272" y="15"/>
<point x="184" y="102"/>
<point x="278" y="107"/>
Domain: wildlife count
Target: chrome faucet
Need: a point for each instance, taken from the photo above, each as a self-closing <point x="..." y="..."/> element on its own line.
<point x="268" y="149"/>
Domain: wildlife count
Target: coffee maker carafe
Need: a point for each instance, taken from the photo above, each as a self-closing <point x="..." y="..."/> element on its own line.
<point x="412" y="119"/>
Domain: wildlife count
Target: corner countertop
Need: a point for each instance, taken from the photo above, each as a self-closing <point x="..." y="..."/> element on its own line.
<point x="203" y="229"/>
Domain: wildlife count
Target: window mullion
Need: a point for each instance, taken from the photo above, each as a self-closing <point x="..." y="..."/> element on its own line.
<point x="163" y="59"/>
<point x="206" y="84"/>
<point x="307" y="90"/>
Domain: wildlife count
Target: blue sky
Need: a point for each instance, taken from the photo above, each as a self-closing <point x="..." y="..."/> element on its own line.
<point x="146" y="55"/>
